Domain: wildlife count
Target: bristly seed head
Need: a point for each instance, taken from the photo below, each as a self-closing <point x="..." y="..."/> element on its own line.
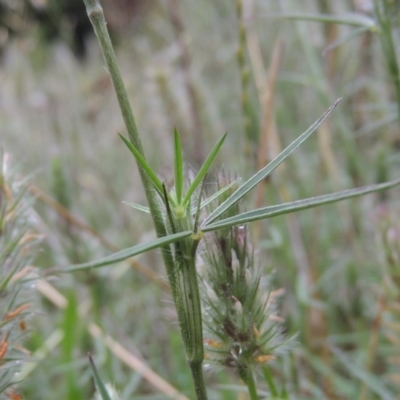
<point x="241" y="327"/>
<point x="18" y="247"/>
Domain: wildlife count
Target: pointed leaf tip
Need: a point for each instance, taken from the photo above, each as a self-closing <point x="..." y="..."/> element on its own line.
<point x="264" y="172"/>
<point x="298" y="205"/>
<point x="127" y="253"/>
<point x="204" y="168"/>
<point x="142" y="163"/>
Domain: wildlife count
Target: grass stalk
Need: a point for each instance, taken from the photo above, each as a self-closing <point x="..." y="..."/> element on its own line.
<point x="186" y="63"/>
<point x="184" y="286"/>
<point x="189" y="311"/>
<point x="264" y="152"/>
<point x="96" y="16"/>
<point x="247" y="376"/>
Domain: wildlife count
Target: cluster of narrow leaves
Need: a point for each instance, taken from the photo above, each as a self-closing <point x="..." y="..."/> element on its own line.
<point x="17" y="248"/>
<point x="218" y="219"/>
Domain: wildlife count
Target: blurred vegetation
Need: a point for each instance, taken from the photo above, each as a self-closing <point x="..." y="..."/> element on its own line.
<point x="338" y="265"/>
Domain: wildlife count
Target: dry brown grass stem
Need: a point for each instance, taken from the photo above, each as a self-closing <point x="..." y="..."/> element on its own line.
<point x="129" y="359"/>
<point x="73" y="220"/>
<point x="329" y="162"/>
<point x="268" y="100"/>
<point x="297" y="242"/>
<point x="265" y="140"/>
<point x="198" y="153"/>
<point x="273" y="147"/>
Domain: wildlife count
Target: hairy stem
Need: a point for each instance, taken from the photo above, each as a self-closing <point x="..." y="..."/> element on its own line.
<point x="188" y="306"/>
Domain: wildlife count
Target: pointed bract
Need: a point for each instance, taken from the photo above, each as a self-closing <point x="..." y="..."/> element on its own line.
<point x="204" y="169"/>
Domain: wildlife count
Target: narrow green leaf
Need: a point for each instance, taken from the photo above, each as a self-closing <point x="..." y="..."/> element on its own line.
<point x="215" y="196"/>
<point x="264" y="172"/>
<point x="269" y="379"/>
<point x="99" y="382"/>
<point x="126" y="253"/>
<point x="197" y="215"/>
<point x="204" y="169"/>
<point x="68" y="344"/>
<point x="286" y="208"/>
<point x="178" y="167"/>
<point x="351" y="19"/>
<point x="137" y="206"/>
<point x="143" y="163"/>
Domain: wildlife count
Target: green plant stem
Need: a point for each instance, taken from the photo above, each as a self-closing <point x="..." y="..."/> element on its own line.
<point x="188" y="307"/>
<point x="247" y="377"/>
<point x="96" y="16"/>
<point x="183" y="276"/>
<point x="197" y="373"/>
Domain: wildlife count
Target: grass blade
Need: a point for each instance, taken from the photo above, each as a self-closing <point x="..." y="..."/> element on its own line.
<point x="99" y="383"/>
<point x="126" y="253"/>
<point x="143" y="163"/>
<point x="264" y="172"/>
<point x="215" y="196"/>
<point x="286" y="208"/>
<point x="138" y="207"/>
<point x="351" y="19"/>
<point x="269" y="379"/>
<point x="204" y="169"/>
<point x="178" y="167"/>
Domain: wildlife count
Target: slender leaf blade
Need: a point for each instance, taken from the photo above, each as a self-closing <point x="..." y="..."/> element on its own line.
<point x="178" y="167"/>
<point x="204" y="169"/>
<point x="286" y="208"/>
<point x="270" y="382"/>
<point x="127" y="253"/>
<point x="143" y="163"/>
<point x="351" y="19"/>
<point x="215" y="196"/>
<point x="264" y="172"/>
<point x="138" y="207"/>
<point x="99" y="382"/>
